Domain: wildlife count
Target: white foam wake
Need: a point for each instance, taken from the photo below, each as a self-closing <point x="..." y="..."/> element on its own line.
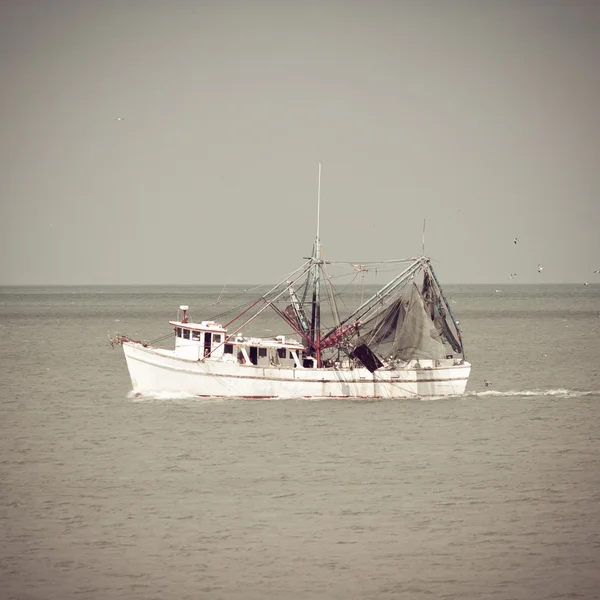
<point x="158" y="395"/>
<point x="559" y="392"/>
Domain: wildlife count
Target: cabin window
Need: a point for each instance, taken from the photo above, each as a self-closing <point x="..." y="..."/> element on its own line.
<point x="290" y="355"/>
<point x="196" y="336"/>
<point x="253" y="353"/>
<point x="179" y="332"/>
<point x="186" y="334"/>
<point x="281" y="352"/>
<point x="217" y="338"/>
<point x="262" y="352"/>
<point x="228" y="349"/>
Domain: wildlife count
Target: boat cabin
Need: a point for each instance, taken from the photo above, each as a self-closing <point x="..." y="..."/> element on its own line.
<point x="208" y="340"/>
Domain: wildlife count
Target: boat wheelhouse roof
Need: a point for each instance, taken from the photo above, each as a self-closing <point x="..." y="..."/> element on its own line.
<point x="203" y="326"/>
<point x="238" y="338"/>
<point x="274" y="342"/>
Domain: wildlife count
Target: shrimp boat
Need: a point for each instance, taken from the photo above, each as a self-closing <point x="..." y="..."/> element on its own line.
<point x="401" y="342"/>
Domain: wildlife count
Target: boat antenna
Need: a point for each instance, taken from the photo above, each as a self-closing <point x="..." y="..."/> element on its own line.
<point x="316" y="299"/>
<point x="423" y="243"/>
<point x="318" y="207"/>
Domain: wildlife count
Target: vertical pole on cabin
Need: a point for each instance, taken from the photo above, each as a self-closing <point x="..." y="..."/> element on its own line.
<point x="316" y="299"/>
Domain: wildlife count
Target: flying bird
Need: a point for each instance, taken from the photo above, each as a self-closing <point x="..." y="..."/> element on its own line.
<point x="540" y="268"/>
<point x="598" y="271"/>
<point x="513" y="275"/>
<point x="516" y="240"/>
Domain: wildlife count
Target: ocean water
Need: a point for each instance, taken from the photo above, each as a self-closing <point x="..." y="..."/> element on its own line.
<point x="494" y="494"/>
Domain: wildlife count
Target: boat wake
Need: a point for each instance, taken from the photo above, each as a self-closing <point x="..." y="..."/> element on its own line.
<point x="146" y="396"/>
<point x="558" y="393"/>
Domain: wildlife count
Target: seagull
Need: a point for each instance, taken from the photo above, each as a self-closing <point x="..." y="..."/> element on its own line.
<point x="598" y="271"/>
<point x="513" y="275"/>
<point x="516" y="240"/>
<point x="119" y="118"/>
<point x="487" y="383"/>
<point x="540" y="268"/>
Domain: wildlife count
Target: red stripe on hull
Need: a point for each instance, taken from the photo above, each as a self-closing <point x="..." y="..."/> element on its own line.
<point x="415" y="397"/>
<point x="210" y="396"/>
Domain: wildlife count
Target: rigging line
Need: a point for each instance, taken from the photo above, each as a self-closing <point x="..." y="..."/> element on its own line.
<point x="248" y="306"/>
<point x="362" y="287"/>
<point x="159" y="339"/>
<point x="456" y="326"/>
<point x="378" y="300"/>
<point x="383" y="292"/>
<point x="306" y="266"/>
<point x="283" y="282"/>
<point x="319" y="206"/>
<point x="403" y="295"/>
<point x="331" y="293"/>
<point x="219" y="298"/>
<point x="341" y="276"/>
<point x="233" y="310"/>
<point x="349" y="284"/>
<point x="332" y="325"/>
<point x="262" y="298"/>
<point x="339" y="295"/>
<point x="267" y="304"/>
<point x="377" y="262"/>
<point x="305" y="290"/>
<point x="379" y="270"/>
<point x="303" y="335"/>
<point x="227" y="312"/>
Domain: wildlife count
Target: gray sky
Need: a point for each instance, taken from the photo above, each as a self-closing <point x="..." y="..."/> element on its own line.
<point x="481" y="116"/>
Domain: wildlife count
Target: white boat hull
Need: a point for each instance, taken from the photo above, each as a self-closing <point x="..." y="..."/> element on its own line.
<point x="154" y="370"/>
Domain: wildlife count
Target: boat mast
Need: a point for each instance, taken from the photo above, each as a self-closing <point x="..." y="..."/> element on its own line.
<point x="316" y="298"/>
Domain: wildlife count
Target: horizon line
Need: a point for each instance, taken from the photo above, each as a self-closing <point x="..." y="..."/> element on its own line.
<point x="257" y="285"/>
